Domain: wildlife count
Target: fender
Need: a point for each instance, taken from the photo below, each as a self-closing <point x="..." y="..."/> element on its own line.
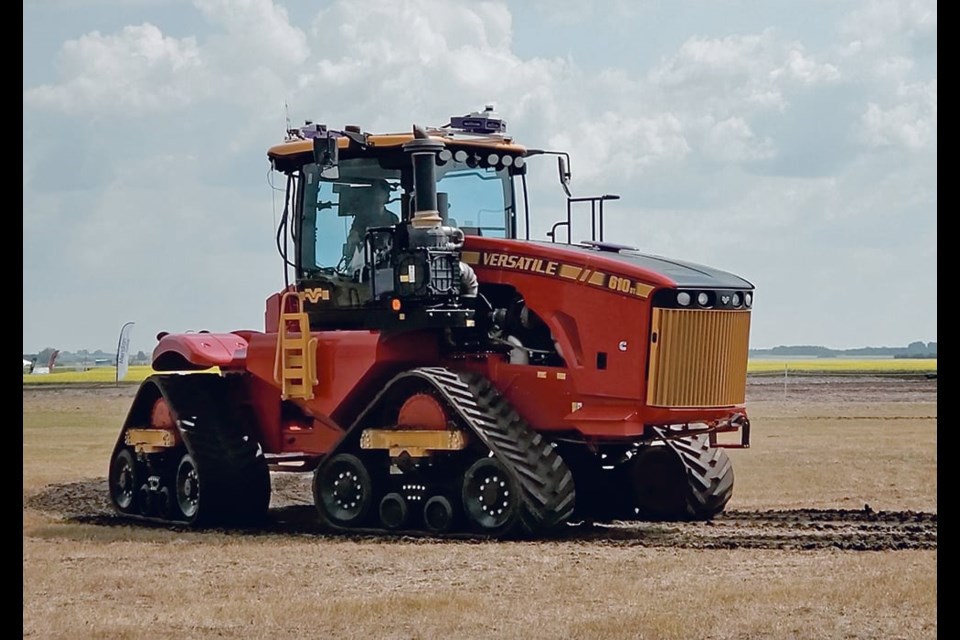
<point x="198" y="351"/>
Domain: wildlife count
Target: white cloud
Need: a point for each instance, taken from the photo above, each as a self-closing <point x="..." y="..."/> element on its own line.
<point x="806" y="70"/>
<point x="732" y="141"/>
<point x="886" y="23"/>
<point x="738" y="73"/>
<point x="138" y="69"/>
<point x="622" y="146"/>
<point x="730" y="60"/>
<point x="256" y="32"/>
<point x="911" y="123"/>
<point x="894" y="68"/>
<point x="576" y="12"/>
<point x="429" y="58"/>
<point x="419" y="32"/>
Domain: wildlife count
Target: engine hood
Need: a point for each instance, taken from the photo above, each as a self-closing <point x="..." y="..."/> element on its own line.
<point x="684" y="274"/>
<point x="657" y="271"/>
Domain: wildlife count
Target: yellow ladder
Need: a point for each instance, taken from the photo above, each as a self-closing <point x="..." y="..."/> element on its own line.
<point x="295" y="364"/>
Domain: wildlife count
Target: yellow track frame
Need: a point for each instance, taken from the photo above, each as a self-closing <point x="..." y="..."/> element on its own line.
<point x="417" y="443"/>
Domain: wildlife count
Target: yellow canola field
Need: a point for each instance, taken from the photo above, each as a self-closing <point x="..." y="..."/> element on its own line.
<point x="136" y="374"/>
<point x="842" y="365"/>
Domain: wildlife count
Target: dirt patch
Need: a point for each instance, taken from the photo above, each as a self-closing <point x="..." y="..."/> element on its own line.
<point x="292" y="513"/>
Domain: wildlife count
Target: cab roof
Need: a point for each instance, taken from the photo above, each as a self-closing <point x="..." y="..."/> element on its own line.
<point x="297" y="148"/>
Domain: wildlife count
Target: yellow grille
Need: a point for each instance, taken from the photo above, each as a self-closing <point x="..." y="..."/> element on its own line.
<point x="699" y="358"/>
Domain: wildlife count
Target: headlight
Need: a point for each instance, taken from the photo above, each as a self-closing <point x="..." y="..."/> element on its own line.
<point x="748" y="299"/>
<point x="703" y="299"/>
<point x="683" y="298"/>
<point x="735" y="300"/>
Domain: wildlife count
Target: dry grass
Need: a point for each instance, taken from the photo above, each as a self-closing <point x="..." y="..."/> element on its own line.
<point x="838" y="454"/>
<point x="211" y="586"/>
<point x="86" y="581"/>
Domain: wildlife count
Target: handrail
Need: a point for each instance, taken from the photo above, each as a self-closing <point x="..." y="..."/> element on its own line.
<point x="596" y="221"/>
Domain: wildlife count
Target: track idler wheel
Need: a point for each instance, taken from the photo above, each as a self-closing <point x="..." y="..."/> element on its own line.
<point x="187" y="488"/>
<point x="343" y="490"/>
<point x="438" y="514"/>
<point x="125" y="481"/>
<point x="164" y="502"/>
<point x="393" y="511"/>
<point x="491" y="498"/>
<point x="145" y="499"/>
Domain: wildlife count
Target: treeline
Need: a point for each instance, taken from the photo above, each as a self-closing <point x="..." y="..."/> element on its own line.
<point x="912" y="350"/>
<point x="84" y="357"/>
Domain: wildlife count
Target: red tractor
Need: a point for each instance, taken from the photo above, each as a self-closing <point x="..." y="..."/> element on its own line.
<point x="438" y="373"/>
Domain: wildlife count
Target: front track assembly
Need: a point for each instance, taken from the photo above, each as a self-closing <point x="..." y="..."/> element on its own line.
<point x="508" y="482"/>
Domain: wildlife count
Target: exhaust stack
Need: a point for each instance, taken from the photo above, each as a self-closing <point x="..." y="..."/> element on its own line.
<point x="424" y="150"/>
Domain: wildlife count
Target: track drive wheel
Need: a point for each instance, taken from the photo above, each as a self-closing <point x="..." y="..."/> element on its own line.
<point x="125" y="481"/>
<point x="343" y="490"/>
<point x="491" y="498"/>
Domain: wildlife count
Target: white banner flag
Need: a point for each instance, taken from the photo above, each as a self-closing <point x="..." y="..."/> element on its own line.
<point x="123" y="351"/>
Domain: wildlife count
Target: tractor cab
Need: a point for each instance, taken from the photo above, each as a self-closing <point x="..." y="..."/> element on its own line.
<point x="379" y="220"/>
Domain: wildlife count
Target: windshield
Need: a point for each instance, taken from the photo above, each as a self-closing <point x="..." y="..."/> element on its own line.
<point x="334" y="214"/>
<point x="477" y="200"/>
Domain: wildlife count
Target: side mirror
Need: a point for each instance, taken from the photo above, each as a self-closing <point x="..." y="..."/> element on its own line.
<point x="563" y="169"/>
<point x="326" y="155"/>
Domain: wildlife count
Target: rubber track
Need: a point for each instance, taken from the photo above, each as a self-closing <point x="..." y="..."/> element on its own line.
<point x="547" y="483"/>
<point x="548" y="494"/>
<point x="709" y="474"/>
<point x="234" y="477"/>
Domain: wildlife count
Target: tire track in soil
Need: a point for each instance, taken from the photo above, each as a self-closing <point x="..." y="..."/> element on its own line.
<point x="846" y="529"/>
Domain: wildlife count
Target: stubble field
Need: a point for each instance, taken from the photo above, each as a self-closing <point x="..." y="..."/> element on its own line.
<point x="831" y="533"/>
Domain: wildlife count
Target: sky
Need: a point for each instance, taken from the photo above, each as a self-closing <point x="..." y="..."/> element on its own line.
<point x="791" y="143"/>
